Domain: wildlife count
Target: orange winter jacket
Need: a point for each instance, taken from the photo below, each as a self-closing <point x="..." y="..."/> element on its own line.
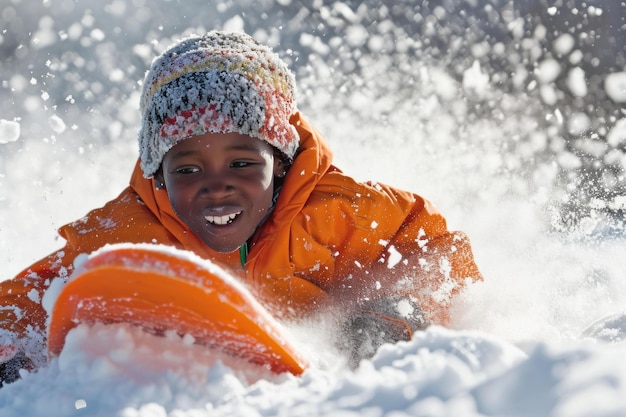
<point x="329" y="238"/>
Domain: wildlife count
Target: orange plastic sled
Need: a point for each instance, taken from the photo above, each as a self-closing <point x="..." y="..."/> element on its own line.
<point x="160" y="290"/>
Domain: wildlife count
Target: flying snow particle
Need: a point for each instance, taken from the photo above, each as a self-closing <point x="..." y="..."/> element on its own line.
<point x="57" y="124"/>
<point x="618" y="203"/>
<point x="405" y="308"/>
<point x="142" y="50"/>
<point x="519" y="76"/>
<point x="188" y="339"/>
<point x="33" y="295"/>
<point x="564" y="43"/>
<point x="45" y="35"/>
<point x="315" y="43"/>
<point x="356" y="35"/>
<point x="394" y="257"/>
<point x="615" y="86"/>
<point x="576" y="57"/>
<point x="53" y="291"/>
<point x="576" y="82"/>
<point x="548" y="94"/>
<point x="234" y="24"/>
<point x="376" y="43"/>
<point x="475" y="79"/>
<point x="569" y="161"/>
<point x="116" y="8"/>
<point x="9" y="131"/>
<point x="578" y="123"/>
<point x="547" y="71"/>
<point x="18" y="83"/>
<point x="617" y="135"/>
<point x="445" y="86"/>
<point x="97" y="35"/>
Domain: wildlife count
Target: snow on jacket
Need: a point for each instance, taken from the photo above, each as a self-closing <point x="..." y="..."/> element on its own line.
<point x="330" y="240"/>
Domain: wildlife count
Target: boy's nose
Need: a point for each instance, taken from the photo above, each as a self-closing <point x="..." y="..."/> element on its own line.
<point x="217" y="184"/>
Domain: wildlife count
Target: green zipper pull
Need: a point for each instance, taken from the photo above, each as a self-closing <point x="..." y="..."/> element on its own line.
<point x="243" y="254"/>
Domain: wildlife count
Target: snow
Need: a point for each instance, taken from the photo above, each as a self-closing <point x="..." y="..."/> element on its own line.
<point x="617" y="135"/>
<point x="9" y="131"/>
<point x="576" y="82"/>
<point x="423" y="111"/>
<point x="548" y="70"/>
<point x="57" y="124"/>
<point x="564" y="43"/>
<point x="616" y="86"/>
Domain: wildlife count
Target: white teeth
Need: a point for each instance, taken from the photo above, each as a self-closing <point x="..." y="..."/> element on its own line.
<point x="221" y="220"/>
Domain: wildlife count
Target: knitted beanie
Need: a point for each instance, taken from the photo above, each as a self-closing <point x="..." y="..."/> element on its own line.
<point x="217" y="83"/>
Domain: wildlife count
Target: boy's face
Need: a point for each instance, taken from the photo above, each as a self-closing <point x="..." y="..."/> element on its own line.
<point x="221" y="186"/>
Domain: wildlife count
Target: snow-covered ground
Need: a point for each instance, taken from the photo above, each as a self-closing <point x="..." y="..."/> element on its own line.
<point x="406" y="95"/>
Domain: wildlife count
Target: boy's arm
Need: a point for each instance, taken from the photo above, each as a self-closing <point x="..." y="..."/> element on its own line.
<point x="399" y="245"/>
<point x="410" y="282"/>
<point x="430" y="275"/>
<point x="23" y="317"/>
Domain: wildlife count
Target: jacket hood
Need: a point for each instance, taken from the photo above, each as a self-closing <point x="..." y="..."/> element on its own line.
<point x="313" y="160"/>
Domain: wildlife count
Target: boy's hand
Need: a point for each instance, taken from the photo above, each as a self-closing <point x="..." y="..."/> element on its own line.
<point x="378" y="322"/>
<point x="11" y="361"/>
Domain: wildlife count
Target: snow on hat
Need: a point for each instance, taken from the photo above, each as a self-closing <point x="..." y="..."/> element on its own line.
<point x="217" y="83"/>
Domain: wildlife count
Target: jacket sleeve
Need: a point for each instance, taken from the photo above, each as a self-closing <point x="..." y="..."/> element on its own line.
<point x="22" y="314"/>
<point x="23" y="318"/>
<point x="427" y="262"/>
<point x="389" y="243"/>
<point x="397" y="267"/>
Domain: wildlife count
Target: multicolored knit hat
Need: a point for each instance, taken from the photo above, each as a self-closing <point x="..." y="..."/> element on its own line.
<point x="217" y="83"/>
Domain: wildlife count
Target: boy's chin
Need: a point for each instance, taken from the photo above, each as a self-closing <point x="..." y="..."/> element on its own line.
<point x="224" y="247"/>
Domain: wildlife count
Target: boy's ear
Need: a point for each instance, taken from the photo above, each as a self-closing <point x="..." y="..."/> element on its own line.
<point x="280" y="166"/>
<point x="159" y="181"/>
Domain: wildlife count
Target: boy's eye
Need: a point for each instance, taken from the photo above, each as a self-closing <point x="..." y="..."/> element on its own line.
<point x="186" y="170"/>
<point x="240" y="164"/>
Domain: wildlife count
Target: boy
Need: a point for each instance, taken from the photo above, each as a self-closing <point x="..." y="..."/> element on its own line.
<point x="229" y="169"/>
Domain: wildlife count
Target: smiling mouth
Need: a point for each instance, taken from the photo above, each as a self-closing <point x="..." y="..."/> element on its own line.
<point x="222" y="220"/>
